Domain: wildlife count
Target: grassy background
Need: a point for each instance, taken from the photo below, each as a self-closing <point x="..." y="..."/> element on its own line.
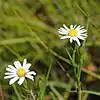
<point x="28" y="29"/>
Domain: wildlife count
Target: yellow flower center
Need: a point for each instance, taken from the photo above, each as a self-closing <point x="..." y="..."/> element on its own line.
<point x="21" y="72"/>
<point x="73" y="32"/>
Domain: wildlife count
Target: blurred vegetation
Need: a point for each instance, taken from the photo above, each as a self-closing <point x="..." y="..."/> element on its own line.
<point x="29" y="29"/>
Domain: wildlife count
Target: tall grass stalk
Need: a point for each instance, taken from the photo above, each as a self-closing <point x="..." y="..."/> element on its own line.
<point x="43" y="90"/>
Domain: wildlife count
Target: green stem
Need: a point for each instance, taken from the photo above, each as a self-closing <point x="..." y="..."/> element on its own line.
<point x="79" y="89"/>
<point x="79" y="83"/>
<point x="79" y="93"/>
<point x="17" y="93"/>
<point x="77" y="69"/>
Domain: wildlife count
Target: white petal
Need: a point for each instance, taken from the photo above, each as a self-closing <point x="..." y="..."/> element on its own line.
<point x="83" y="35"/>
<point x="82" y="31"/>
<point x="12" y="67"/>
<point x="29" y="76"/>
<point x="17" y="64"/>
<point x="74" y="38"/>
<point x="75" y="26"/>
<point x="78" y="27"/>
<point x="9" y="70"/>
<point x="81" y="27"/>
<point x="71" y="27"/>
<point x="32" y="72"/>
<point x="62" y="31"/>
<point x="80" y="37"/>
<point x="13" y="80"/>
<point x="64" y="37"/>
<point x="66" y="27"/>
<point x="24" y="62"/>
<point x="78" y="42"/>
<point x="27" y="66"/>
<point x="21" y="80"/>
<point x="10" y="76"/>
<point x="71" y="39"/>
<point x="9" y="73"/>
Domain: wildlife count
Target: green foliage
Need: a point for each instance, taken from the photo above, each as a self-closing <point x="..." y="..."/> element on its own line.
<point x="28" y="29"/>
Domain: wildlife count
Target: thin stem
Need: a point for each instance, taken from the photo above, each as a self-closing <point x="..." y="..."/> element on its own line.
<point x="78" y="74"/>
<point x="79" y="83"/>
<point x="79" y="89"/>
<point x="91" y="92"/>
<point x="79" y="94"/>
<point x="17" y="93"/>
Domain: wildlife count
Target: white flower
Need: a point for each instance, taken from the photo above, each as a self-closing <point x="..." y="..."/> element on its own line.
<point x="19" y="72"/>
<point x="73" y="33"/>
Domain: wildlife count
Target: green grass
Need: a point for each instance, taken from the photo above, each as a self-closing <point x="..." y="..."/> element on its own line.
<point x="29" y="29"/>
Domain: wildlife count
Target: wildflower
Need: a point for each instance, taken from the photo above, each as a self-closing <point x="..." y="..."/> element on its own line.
<point x="19" y="72"/>
<point x="73" y="33"/>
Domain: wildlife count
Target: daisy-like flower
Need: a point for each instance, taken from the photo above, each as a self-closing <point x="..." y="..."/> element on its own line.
<point x="75" y="33"/>
<point x="19" y="72"/>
